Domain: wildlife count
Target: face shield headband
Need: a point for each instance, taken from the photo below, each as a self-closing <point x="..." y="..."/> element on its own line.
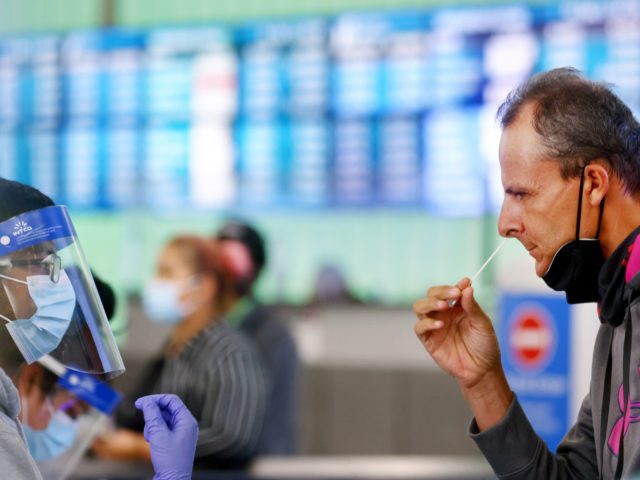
<point x="48" y="298"/>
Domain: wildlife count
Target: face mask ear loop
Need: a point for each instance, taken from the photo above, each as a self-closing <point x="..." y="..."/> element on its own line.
<point x="24" y="410"/>
<point x="13" y="279"/>
<point x="600" y="217"/>
<point x="580" y="204"/>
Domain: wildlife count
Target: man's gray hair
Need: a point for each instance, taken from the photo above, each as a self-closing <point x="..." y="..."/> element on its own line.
<point x="579" y="121"/>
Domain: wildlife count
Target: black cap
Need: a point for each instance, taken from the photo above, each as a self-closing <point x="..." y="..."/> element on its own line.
<point x="17" y="198"/>
<point x="107" y="296"/>
<point x="250" y="238"/>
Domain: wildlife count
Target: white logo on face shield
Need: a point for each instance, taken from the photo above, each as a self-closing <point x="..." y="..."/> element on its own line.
<point x="21" y="227"/>
<point x="42" y="333"/>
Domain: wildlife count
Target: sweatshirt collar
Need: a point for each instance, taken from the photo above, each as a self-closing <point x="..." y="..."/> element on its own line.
<point x="617" y="271"/>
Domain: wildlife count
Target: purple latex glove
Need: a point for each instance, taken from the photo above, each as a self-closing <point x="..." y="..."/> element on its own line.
<point x="172" y="433"/>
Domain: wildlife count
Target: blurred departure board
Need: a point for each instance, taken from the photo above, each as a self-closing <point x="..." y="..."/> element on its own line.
<point x="392" y="109"/>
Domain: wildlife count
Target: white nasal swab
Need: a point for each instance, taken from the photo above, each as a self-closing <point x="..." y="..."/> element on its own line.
<point x="451" y="303"/>
<point x="484" y="265"/>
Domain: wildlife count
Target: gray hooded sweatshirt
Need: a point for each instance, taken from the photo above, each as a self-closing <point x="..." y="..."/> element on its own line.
<point x="603" y="438"/>
<point x="15" y="461"/>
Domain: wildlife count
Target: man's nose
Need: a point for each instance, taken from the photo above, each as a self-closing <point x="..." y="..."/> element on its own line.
<point x="508" y="222"/>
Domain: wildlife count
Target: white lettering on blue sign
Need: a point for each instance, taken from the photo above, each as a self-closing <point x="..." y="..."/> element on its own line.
<point x="539" y="385"/>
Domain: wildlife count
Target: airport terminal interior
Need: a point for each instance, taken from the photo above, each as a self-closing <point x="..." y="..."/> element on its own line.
<point x="359" y="140"/>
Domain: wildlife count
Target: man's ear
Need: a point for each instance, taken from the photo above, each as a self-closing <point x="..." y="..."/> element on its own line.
<point x="30" y="377"/>
<point x="209" y="286"/>
<point x="596" y="182"/>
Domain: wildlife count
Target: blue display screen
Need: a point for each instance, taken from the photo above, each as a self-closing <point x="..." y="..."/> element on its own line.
<point x="393" y="109"/>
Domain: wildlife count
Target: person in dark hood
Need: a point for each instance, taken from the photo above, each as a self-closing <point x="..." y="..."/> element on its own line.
<point x="245" y="258"/>
<point x="570" y="163"/>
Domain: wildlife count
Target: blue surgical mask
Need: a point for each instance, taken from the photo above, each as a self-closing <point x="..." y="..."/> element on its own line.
<point x="161" y="302"/>
<point x="54" y="440"/>
<point x="42" y="333"/>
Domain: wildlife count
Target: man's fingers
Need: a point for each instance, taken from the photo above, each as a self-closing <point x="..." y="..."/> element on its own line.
<point x="427" y="324"/>
<point x="468" y="302"/>
<point x="462" y="284"/>
<point x="424" y="306"/>
<point x="440" y="298"/>
<point x="444" y="292"/>
<point x="449" y="292"/>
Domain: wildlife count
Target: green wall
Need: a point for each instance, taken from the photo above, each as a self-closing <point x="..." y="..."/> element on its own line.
<point x="388" y="255"/>
<point x="17" y="16"/>
<point x="141" y="12"/>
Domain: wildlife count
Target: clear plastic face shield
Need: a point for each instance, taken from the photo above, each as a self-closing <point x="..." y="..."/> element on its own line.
<point x="80" y="408"/>
<point x="48" y="299"/>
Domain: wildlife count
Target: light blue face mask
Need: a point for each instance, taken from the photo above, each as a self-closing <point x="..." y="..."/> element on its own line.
<point x="54" y="440"/>
<point x="42" y="333"/>
<point x="161" y="302"/>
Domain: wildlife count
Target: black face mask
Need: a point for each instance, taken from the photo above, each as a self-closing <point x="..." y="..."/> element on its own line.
<point x="576" y="265"/>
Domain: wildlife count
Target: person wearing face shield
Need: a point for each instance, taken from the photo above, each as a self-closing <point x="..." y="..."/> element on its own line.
<point x="58" y="424"/>
<point x="49" y="413"/>
<point x="48" y="430"/>
<point x="54" y="319"/>
<point x="570" y="164"/>
<point x="244" y="257"/>
<point x="212" y="367"/>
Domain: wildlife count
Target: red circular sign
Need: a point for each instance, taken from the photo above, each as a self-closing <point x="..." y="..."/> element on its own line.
<point x="531" y="338"/>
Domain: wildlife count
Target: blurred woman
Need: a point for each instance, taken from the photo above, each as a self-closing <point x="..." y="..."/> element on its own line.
<point x="212" y="367"/>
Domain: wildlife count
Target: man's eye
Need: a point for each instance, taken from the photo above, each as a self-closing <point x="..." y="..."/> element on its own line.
<point x="518" y="195"/>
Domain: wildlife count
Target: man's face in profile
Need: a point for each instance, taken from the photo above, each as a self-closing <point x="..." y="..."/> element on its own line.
<point x="540" y="206"/>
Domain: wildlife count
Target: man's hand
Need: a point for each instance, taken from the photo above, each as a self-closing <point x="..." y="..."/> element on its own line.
<point x="172" y="433"/>
<point x="461" y="339"/>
